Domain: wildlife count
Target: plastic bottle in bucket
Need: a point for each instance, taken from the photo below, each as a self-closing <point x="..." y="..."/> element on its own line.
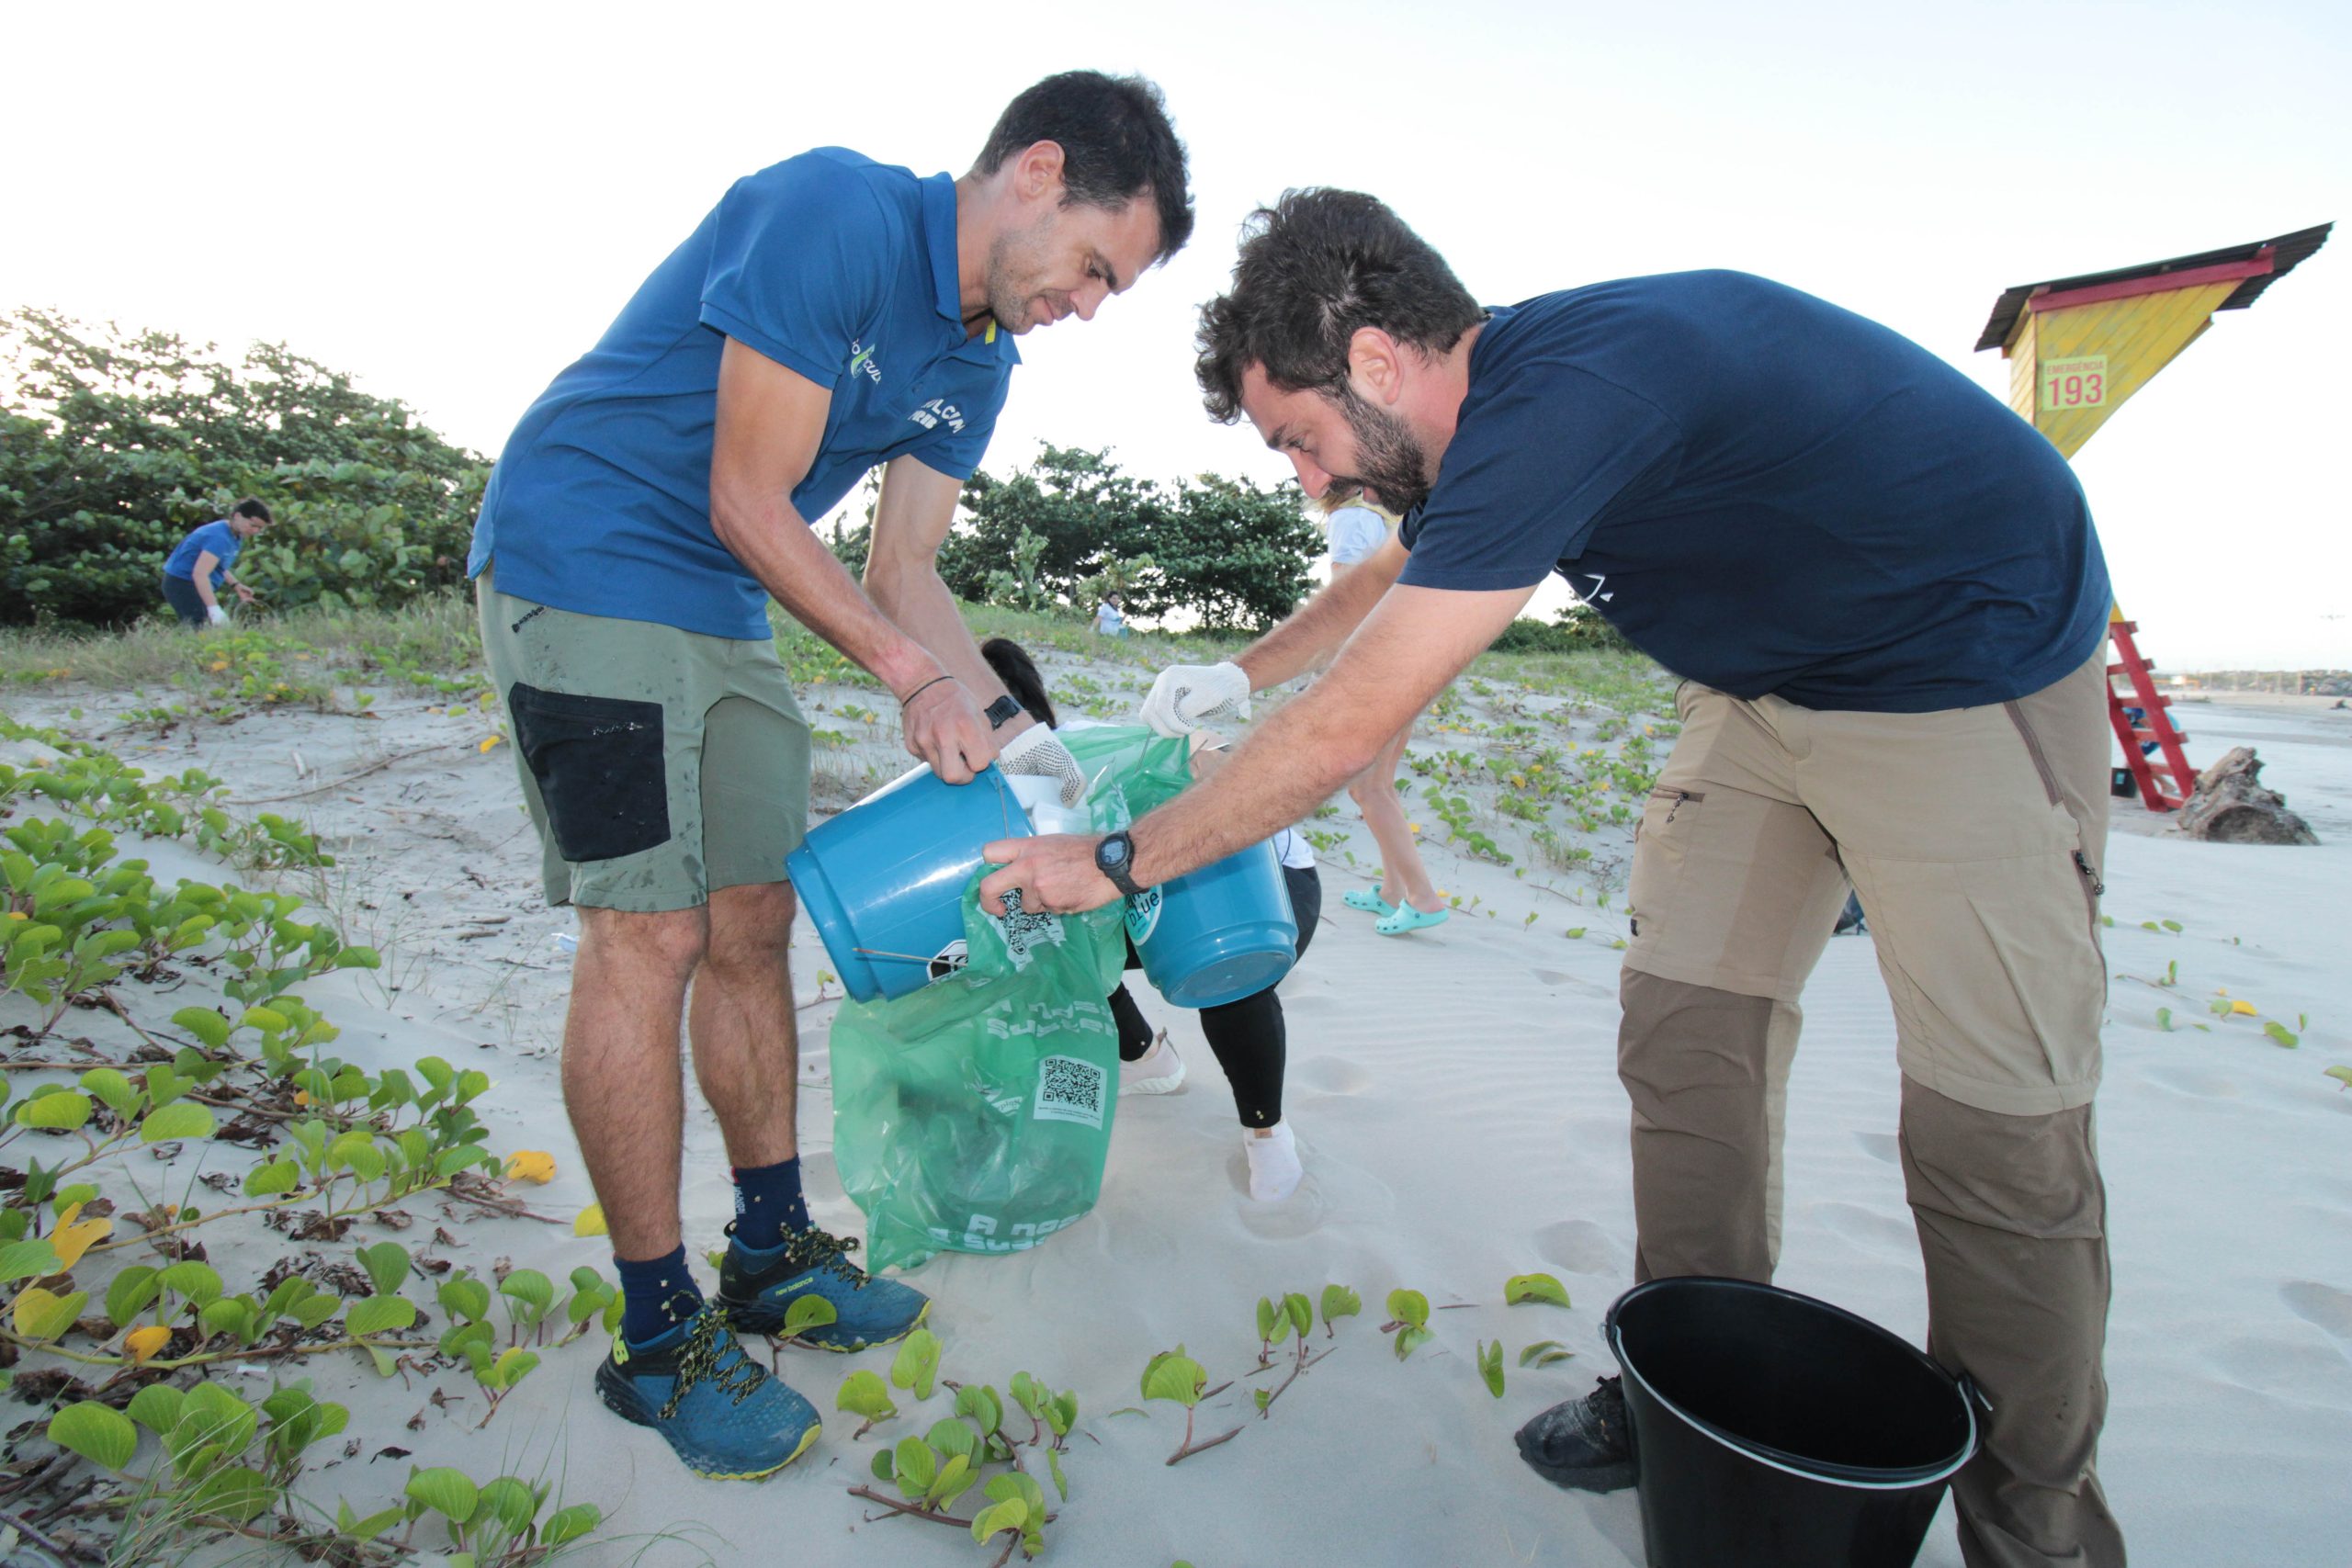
<point x="1772" y="1430"/>
<point x="1217" y="934"/>
<point x="884" y="881"/>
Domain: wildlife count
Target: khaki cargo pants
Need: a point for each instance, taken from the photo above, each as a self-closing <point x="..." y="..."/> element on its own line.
<point x="1974" y="837"/>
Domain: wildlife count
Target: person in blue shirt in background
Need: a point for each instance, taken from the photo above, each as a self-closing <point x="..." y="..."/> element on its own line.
<point x="1887" y="601"/>
<point x="195" y="570"/>
<point x="829" y="315"/>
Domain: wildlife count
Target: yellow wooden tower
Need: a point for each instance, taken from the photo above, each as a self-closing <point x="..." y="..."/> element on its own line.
<point x="2078" y="349"/>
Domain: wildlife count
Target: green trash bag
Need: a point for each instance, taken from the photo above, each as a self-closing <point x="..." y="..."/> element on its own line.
<point x="974" y="1115"/>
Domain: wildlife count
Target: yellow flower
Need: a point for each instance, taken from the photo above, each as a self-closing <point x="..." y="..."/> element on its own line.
<point x="144" y="1343"/>
<point x="491" y="742"/>
<point x="1415" y="826"/>
<point x="2247" y="1009"/>
<point x="591" y="1221"/>
<point x="302" y="1098"/>
<point x="220" y="664"/>
<point x="530" y="1164"/>
<point x="17" y="915"/>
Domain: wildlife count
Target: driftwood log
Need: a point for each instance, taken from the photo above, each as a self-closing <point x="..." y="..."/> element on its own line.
<point x="2231" y="806"/>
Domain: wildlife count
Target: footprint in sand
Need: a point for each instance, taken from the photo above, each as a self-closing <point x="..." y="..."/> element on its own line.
<point x="2302" y="1370"/>
<point x="1867" y="1228"/>
<point x="2192" y="1081"/>
<point x="1880" y="1145"/>
<point x="2322" y="1305"/>
<point x="1332" y="1192"/>
<point x="1558" y="981"/>
<point x="1335" y="1074"/>
<point x="1582" y="1248"/>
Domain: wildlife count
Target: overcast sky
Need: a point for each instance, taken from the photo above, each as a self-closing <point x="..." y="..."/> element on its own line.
<point x="451" y="201"/>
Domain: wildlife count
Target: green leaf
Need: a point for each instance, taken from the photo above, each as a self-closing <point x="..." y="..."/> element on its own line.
<point x="531" y="1288"/>
<point x="884" y="1467"/>
<point x="512" y="1366"/>
<point x="1301" y="1313"/>
<point x="1536" y="1353"/>
<point x="980" y="1403"/>
<point x="1171" y="1374"/>
<point x="918" y="1466"/>
<point x="110" y="1085"/>
<point x="1266" y="1310"/>
<point x="387" y="1265"/>
<point x="41" y="1315"/>
<point x="273" y="1178"/>
<point x="862" y="1394"/>
<point x="951" y="1437"/>
<point x="997" y="1518"/>
<point x="1408" y="1307"/>
<point x="197" y="1282"/>
<point x="1339" y="1301"/>
<point x="807" y="1312"/>
<point x="569" y="1524"/>
<point x="207" y="1025"/>
<point x="1534" y="1287"/>
<point x="2341" y="1074"/>
<point x="1490" y="1366"/>
<point x="1061" y="1482"/>
<point x="1411" y="1338"/>
<point x="2173" y="926"/>
<point x="956" y="1477"/>
<point x="59" y="1113"/>
<point x="447" y="1492"/>
<point x="156" y="1407"/>
<point x="917" y="1363"/>
<point x="99" y="1433"/>
<point x="2164" y="1018"/>
<point x="237" y="1492"/>
<point x="378" y="1314"/>
<point x="181" y="1119"/>
<point x="34" y="1259"/>
<point x="128" y="1293"/>
<point x="2282" y="1035"/>
<point x="510" y="1503"/>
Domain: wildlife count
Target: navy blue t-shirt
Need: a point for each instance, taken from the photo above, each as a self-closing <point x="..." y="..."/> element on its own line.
<point x="1767" y="494"/>
<point x="835" y="267"/>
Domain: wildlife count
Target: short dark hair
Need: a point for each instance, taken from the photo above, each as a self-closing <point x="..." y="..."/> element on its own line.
<point x="1019" y="672"/>
<point x="1314" y="267"/>
<point x="249" y="507"/>
<point x="1116" y="142"/>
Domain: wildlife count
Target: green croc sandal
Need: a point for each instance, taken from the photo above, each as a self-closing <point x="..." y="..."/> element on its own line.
<point x="1408" y="918"/>
<point x="1370" y="902"/>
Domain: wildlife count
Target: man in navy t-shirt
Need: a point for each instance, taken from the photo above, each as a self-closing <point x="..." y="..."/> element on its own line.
<point x="831" y="315"/>
<point x="198" y="566"/>
<point x="1884" y="596"/>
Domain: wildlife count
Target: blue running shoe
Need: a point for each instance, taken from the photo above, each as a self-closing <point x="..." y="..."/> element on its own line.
<point x="723" y="1413"/>
<point x="756" y="1288"/>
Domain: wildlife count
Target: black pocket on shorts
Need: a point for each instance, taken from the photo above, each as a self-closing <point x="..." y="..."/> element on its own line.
<point x="599" y="766"/>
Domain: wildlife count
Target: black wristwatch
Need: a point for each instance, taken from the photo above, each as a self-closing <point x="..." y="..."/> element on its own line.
<point x="1002" y="712"/>
<point x="1115" y="857"/>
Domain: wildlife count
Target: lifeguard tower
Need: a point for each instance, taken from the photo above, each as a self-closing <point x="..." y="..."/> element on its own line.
<point x="2078" y="349"/>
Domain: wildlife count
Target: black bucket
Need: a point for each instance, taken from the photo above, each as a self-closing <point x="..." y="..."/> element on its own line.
<point x="1771" y="1430"/>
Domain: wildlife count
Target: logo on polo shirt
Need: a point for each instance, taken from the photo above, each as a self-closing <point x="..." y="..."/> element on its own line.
<point x="862" y="358"/>
<point x="936" y="412"/>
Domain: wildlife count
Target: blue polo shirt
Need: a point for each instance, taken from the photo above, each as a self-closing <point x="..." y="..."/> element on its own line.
<point x="215" y="536"/>
<point x="835" y="267"/>
<point x="1767" y="494"/>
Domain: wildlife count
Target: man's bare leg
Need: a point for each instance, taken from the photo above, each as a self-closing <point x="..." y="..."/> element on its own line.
<point x="621" y="1083"/>
<point x="745" y="1034"/>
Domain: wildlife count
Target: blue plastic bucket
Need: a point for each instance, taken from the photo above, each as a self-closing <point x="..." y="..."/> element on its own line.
<point x="1217" y="934"/>
<point x="884" y="881"/>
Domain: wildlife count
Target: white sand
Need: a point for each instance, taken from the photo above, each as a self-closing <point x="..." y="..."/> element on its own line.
<point x="1457" y="1103"/>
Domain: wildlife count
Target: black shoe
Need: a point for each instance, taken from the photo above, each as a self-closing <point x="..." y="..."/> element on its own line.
<point x="1585" y="1443"/>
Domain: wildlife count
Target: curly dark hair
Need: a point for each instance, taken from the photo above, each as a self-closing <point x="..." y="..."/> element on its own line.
<point x="1314" y="267"/>
<point x="1116" y="142"/>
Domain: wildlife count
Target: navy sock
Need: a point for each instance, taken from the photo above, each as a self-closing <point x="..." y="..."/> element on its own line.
<point x="656" y="1295"/>
<point x="768" y="1203"/>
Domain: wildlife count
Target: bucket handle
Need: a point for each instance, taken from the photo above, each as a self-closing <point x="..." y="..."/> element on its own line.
<point x="1975" y="1395"/>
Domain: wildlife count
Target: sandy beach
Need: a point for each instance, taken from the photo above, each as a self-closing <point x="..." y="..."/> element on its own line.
<point x="1456" y="1100"/>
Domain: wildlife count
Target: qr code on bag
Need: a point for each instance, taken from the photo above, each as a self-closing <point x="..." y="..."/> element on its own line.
<point x="1070" y="1089"/>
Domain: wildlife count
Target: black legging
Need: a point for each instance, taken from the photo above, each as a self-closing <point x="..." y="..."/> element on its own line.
<point x="1248" y="1036"/>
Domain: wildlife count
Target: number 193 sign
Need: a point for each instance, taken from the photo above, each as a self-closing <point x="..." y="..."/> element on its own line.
<point x="2073" y="383"/>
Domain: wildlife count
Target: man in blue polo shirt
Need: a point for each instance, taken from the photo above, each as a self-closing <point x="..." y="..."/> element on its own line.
<point x="829" y="316"/>
<point x="196" y="569"/>
<point x="1885" y="593"/>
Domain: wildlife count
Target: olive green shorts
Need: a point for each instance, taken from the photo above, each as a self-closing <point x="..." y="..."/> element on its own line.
<point x="657" y="763"/>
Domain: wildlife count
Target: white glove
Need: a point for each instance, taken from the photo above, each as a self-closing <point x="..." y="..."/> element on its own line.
<point x="216" y="615"/>
<point x="1038" y="753"/>
<point x="1189" y="695"/>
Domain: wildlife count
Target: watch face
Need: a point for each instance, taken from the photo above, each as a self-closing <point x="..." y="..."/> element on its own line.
<point x="1113" y="853"/>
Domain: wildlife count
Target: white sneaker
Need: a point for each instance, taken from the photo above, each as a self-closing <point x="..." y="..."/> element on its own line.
<point x="1274" y="1170"/>
<point x="1157" y="1071"/>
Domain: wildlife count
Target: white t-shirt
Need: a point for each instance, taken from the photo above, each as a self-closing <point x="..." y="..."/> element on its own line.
<point x="1356" y="532"/>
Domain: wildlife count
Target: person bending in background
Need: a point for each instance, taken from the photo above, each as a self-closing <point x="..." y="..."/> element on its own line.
<point x="194" y="572"/>
<point x="1249" y="1036"/>
<point x="1358" y="531"/>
